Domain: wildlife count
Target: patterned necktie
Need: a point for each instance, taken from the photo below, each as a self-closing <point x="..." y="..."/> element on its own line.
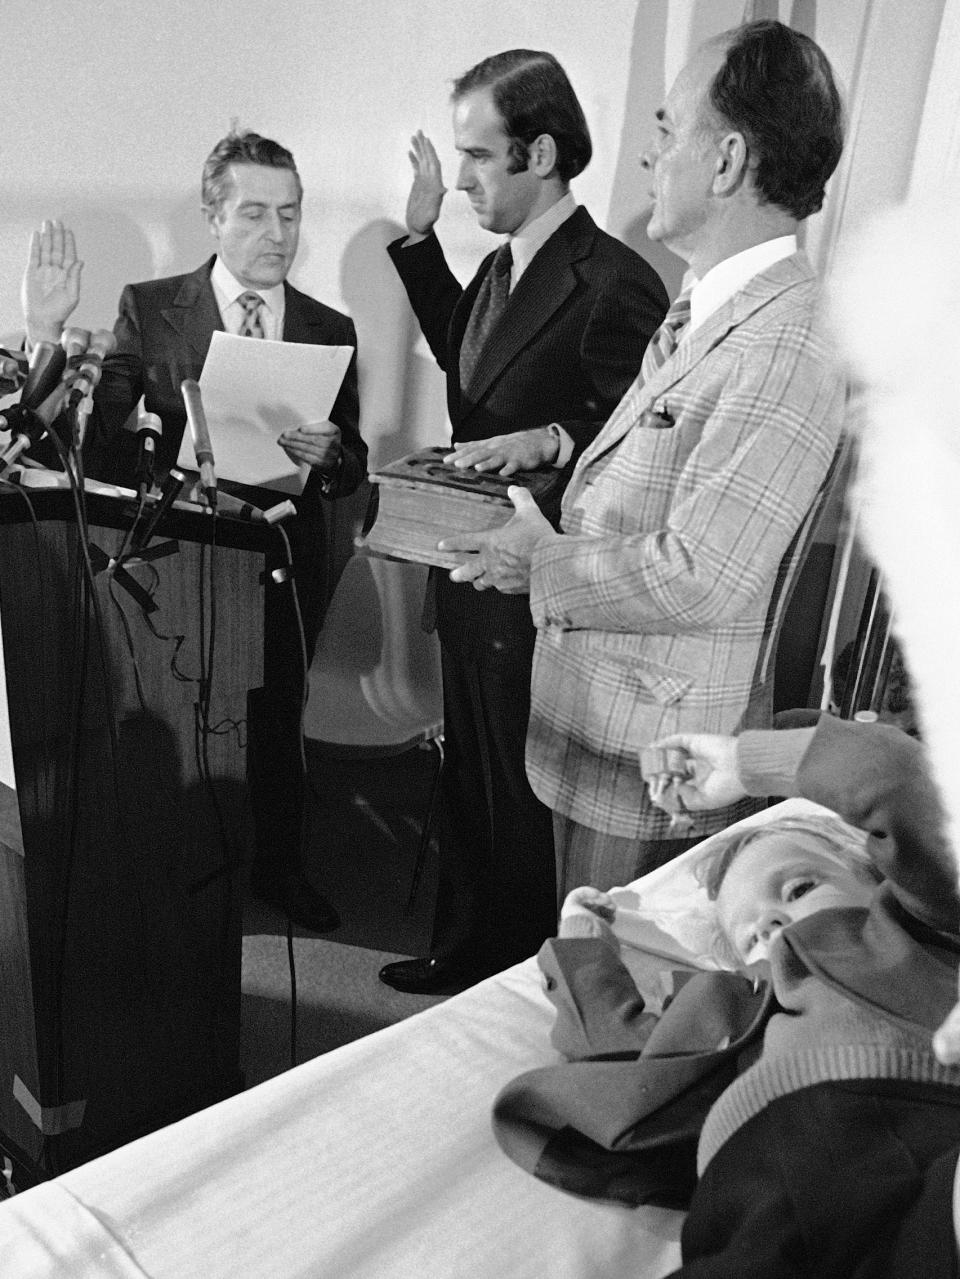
<point x="252" y="326"/>
<point x="487" y="309"/>
<point x="664" y="342"/>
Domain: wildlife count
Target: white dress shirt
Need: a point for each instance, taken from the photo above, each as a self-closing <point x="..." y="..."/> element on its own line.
<point x="723" y="280"/>
<point x="529" y="240"/>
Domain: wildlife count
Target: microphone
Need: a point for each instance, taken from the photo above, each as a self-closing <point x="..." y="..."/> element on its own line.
<point x="282" y="511"/>
<point x="13" y="371"/>
<point x="149" y="431"/>
<point x="169" y="492"/>
<point x="30" y="428"/>
<point x="200" y="435"/>
<point x="47" y="361"/>
<point x="102" y="344"/>
<point x="230" y="505"/>
<point x="74" y="341"/>
<point x="11" y="376"/>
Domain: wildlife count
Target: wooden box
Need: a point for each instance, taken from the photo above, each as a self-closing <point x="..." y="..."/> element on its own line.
<point x="418" y="500"/>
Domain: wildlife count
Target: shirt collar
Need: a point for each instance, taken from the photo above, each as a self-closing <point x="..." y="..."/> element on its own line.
<point x="227" y="288"/>
<point x="529" y="240"/>
<point x="727" y="277"/>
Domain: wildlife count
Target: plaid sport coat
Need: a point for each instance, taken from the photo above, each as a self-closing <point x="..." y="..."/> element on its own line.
<point x="656" y="608"/>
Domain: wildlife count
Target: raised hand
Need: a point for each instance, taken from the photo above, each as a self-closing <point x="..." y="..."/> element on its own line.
<point x="427" y="192"/>
<point x="50" y="289"/>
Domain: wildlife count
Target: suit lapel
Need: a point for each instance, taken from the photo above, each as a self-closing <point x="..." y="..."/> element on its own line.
<point x="756" y="293"/>
<point x="194" y="313"/>
<point x="301" y="322"/>
<point x="544" y="286"/>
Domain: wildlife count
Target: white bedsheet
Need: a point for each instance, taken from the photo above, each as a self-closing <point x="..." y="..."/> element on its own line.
<point x="375" y="1161"/>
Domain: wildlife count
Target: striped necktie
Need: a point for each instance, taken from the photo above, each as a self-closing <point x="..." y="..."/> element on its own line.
<point x="664" y="342"/>
<point x="252" y="326"/>
<point x="487" y="309"/>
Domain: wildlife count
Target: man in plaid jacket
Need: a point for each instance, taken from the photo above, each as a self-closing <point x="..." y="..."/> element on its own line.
<point x="658" y="604"/>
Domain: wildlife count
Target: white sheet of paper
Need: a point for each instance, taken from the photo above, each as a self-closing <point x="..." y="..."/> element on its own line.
<point x="253" y="391"/>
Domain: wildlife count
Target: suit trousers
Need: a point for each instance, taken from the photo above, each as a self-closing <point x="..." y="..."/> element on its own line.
<point x="592" y="857"/>
<point x="497" y="893"/>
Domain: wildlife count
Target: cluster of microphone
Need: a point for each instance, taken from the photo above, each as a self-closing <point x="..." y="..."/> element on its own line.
<point x="60" y="377"/>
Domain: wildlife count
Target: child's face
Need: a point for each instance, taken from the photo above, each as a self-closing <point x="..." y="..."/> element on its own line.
<point x="778" y="879"/>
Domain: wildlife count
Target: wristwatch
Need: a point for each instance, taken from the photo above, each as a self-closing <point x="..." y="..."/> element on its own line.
<point x="330" y="479"/>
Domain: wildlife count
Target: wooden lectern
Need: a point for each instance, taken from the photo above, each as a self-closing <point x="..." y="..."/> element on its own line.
<point x="119" y="851"/>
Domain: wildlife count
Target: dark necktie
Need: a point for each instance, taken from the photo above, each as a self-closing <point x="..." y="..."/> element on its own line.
<point x="252" y="326"/>
<point x="487" y="309"/>
<point x="664" y="341"/>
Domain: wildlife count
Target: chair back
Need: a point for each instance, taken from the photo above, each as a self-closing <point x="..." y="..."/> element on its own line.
<point x="375" y="677"/>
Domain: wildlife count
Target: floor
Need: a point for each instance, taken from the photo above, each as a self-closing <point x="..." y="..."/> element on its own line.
<point x="362" y="835"/>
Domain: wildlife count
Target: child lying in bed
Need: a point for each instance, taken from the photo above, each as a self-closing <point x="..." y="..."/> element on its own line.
<point x="804" y="1117"/>
<point x="761" y="879"/>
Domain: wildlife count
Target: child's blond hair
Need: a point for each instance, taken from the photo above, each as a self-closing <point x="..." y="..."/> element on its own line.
<point x="844" y="844"/>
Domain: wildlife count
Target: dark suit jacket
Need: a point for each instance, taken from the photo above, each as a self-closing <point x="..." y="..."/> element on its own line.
<point x="565" y="350"/>
<point x="163" y="334"/>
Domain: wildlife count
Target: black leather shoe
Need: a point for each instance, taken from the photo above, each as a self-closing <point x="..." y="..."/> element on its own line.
<point x="291" y="892"/>
<point x="440" y="976"/>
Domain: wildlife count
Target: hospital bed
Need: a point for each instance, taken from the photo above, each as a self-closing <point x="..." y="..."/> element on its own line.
<point x="374" y="1161"/>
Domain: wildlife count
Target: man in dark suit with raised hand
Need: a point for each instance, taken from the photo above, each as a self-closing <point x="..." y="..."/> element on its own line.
<point x="252" y="203"/>
<point x="537" y="351"/>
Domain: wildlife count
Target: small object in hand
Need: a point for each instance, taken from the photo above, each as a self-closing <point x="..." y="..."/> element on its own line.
<point x="664" y="769"/>
<point x="656" y="760"/>
<point x="681" y="822"/>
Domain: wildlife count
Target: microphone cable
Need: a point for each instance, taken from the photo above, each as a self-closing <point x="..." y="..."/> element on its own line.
<point x="291" y="581"/>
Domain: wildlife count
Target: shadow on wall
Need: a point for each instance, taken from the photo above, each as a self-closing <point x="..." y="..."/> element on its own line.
<point x="402" y="392"/>
<point x="189" y="242"/>
<point x="629" y="210"/>
<point x="803" y="18"/>
<point x="372" y="657"/>
<point x="402" y="404"/>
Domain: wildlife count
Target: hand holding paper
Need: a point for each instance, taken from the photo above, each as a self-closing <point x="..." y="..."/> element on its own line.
<point x="315" y="444"/>
<point x="262" y="394"/>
